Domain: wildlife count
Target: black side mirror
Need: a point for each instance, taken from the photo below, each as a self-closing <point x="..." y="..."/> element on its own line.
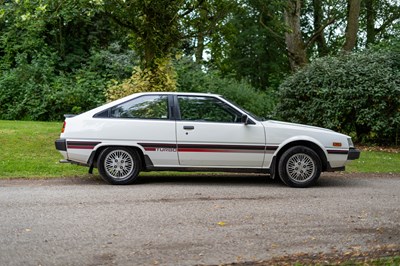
<point x="244" y="119"/>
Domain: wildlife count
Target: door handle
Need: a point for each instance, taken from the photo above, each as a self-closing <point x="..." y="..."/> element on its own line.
<point x="188" y="127"/>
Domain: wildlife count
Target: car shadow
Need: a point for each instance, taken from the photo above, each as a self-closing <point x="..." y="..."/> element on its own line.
<point x="327" y="180"/>
<point x="212" y="179"/>
<point x="339" y="180"/>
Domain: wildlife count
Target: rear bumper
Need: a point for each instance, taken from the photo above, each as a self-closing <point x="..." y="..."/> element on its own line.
<point x="61" y="145"/>
<point x="353" y="154"/>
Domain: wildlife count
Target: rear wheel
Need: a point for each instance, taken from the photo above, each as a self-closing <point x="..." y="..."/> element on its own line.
<point x="119" y="165"/>
<point x="299" y="166"/>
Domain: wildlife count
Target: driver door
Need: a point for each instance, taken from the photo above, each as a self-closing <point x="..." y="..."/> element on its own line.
<point x="210" y="134"/>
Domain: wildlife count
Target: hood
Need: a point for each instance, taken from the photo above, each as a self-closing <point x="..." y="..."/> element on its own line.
<point x="274" y="123"/>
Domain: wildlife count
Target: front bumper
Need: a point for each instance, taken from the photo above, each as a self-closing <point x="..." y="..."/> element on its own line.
<point x="353" y="154"/>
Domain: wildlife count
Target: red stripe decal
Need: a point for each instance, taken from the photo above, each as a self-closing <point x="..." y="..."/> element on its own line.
<point x="150" y="149"/>
<point x="217" y="150"/>
<point x="80" y="147"/>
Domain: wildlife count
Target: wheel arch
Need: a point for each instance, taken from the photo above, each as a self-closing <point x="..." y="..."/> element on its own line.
<point x="307" y="143"/>
<point x="92" y="162"/>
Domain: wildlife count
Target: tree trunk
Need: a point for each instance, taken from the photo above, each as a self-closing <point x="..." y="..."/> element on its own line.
<point x="294" y="41"/>
<point x="199" y="48"/>
<point x="371" y="15"/>
<point x="352" y="25"/>
<point x="200" y="37"/>
<point x="320" y="39"/>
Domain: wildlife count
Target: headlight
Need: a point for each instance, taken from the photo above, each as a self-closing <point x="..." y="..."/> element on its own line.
<point x="351" y="145"/>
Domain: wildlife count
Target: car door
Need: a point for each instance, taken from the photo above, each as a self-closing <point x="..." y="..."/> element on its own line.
<point x="210" y="134"/>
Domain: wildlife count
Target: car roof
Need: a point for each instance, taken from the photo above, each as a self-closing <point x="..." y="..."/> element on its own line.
<point x="177" y="93"/>
<point x="135" y="95"/>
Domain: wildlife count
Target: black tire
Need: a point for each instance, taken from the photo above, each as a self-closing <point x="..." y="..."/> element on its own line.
<point x="119" y="165"/>
<point x="299" y="167"/>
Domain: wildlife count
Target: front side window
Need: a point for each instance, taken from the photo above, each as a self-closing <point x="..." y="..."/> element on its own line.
<point x="209" y="109"/>
<point x="145" y="107"/>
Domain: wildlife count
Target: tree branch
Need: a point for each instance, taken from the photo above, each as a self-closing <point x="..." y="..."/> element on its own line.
<point x="121" y="23"/>
<point x="276" y="35"/>
<point x="191" y="9"/>
<point x="388" y="22"/>
<point x="314" y="37"/>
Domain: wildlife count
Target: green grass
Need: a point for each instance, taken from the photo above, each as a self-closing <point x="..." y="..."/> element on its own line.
<point x="376" y="162"/>
<point x="387" y="261"/>
<point x="390" y="261"/>
<point x="27" y="151"/>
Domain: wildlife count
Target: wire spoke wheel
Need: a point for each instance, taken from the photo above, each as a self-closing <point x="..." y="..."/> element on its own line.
<point x="119" y="164"/>
<point x="300" y="167"/>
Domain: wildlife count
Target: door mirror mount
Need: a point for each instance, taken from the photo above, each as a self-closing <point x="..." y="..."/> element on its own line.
<point x="245" y="119"/>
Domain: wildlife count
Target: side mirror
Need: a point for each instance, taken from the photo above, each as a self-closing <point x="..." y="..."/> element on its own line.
<point x="244" y="119"/>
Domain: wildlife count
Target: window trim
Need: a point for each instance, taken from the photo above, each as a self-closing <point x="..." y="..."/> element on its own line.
<point x="170" y="116"/>
<point x="179" y="118"/>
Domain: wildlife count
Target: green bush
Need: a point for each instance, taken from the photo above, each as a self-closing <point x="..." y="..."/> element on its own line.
<point x="34" y="91"/>
<point x="161" y="77"/>
<point x="36" y="88"/>
<point x="357" y="94"/>
<point x="192" y="78"/>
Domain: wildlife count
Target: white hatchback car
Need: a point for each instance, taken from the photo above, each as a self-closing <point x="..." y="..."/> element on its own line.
<point x="191" y="132"/>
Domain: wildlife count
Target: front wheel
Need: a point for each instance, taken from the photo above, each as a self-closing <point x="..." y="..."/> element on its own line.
<point x="300" y="167"/>
<point x="119" y="165"/>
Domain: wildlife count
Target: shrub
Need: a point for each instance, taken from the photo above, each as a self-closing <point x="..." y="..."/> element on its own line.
<point x="161" y="78"/>
<point x="357" y="94"/>
<point x="36" y="88"/>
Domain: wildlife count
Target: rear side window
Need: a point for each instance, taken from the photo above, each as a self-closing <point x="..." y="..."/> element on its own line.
<point x="145" y="107"/>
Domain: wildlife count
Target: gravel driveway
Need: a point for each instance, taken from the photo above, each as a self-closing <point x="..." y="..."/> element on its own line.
<point x="191" y="220"/>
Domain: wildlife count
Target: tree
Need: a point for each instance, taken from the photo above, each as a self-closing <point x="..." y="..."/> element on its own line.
<point x="352" y="24"/>
<point x="319" y="27"/>
<point x="294" y="40"/>
<point x="56" y="58"/>
<point x="247" y="43"/>
<point x="388" y="15"/>
<point x="203" y="25"/>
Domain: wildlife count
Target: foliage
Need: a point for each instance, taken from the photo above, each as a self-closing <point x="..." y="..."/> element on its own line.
<point x="251" y="45"/>
<point x="357" y="94"/>
<point x="192" y="78"/>
<point x="161" y="77"/>
<point x="36" y="90"/>
<point x="60" y="56"/>
<point x="56" y="57"/>
<point x="153" y="26"/>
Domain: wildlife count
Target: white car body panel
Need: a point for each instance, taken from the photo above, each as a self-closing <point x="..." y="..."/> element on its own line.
<point x="283" y="133"/>
<point x="129" y="133"/>
<point x="185" y="144"/>
<point x="220" y="144"/>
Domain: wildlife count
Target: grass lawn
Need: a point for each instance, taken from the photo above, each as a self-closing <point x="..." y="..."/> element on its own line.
<point x="375" y="162"/>
<point x="27" y="150"/>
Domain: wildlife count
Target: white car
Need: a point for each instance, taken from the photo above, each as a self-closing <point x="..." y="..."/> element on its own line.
<point x="193" y="131"/>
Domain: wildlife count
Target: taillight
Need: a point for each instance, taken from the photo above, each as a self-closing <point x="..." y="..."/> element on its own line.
<point x="63" y="127"/>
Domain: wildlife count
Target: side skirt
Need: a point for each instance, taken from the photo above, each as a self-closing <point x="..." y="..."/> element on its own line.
<point x="151" y="167"/>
